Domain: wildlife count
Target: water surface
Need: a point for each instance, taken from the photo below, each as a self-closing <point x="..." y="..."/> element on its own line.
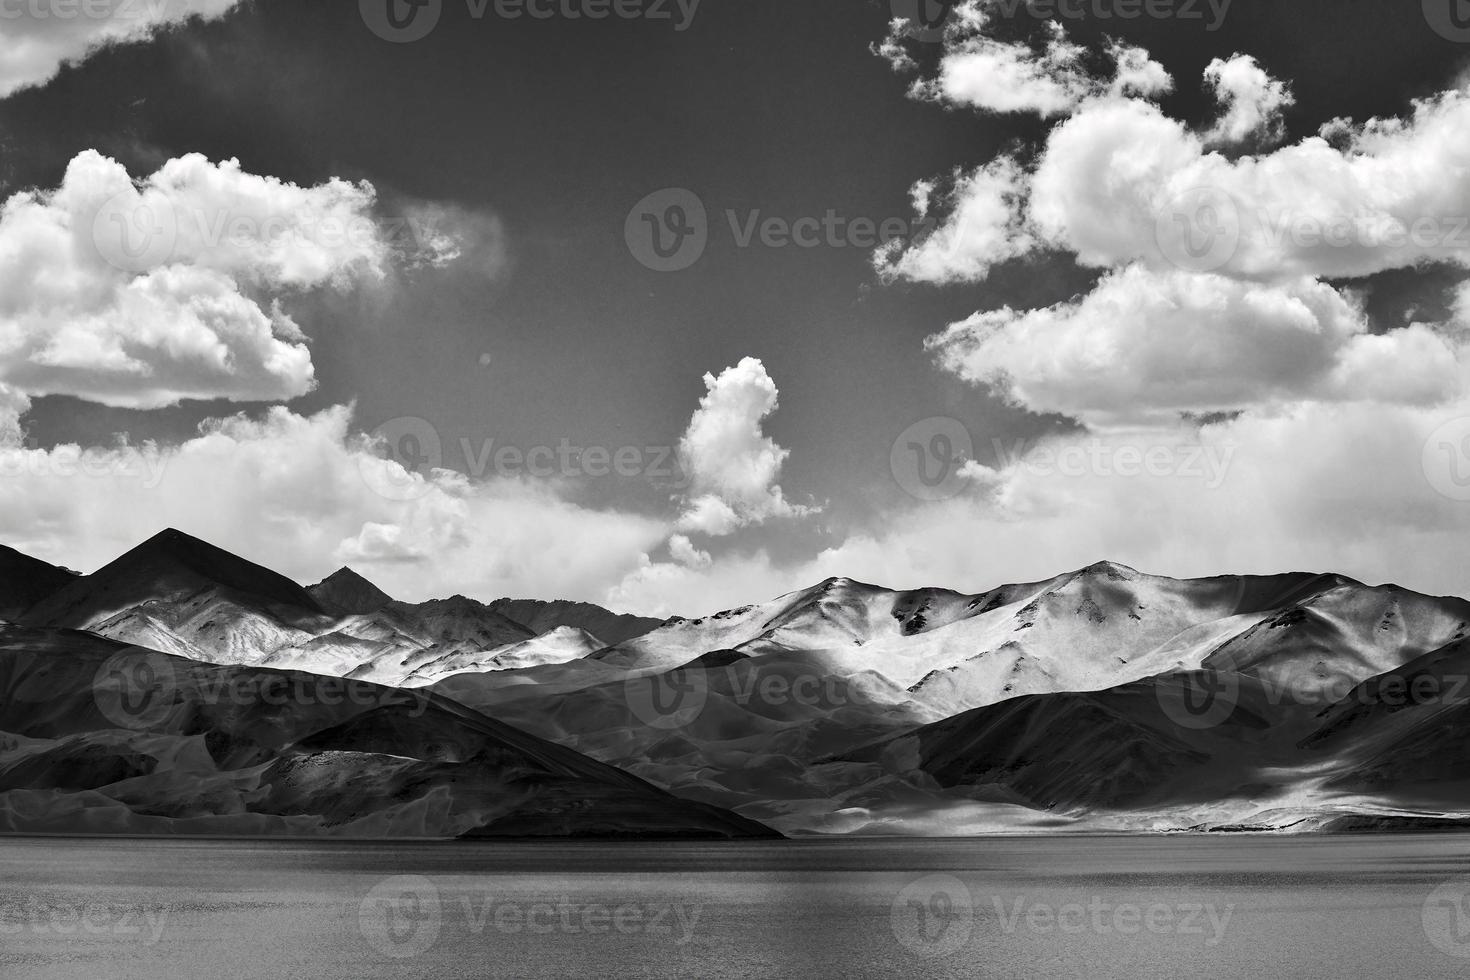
<point x="1230" y="906"/>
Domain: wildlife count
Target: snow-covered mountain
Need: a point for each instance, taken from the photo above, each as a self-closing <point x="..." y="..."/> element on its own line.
<point x="183" y="596"/>
<point x="1085" y="700"/>
<point x="1079" y="676"/>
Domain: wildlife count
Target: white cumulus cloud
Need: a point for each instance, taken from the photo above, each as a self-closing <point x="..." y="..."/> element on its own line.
<point x="1217" y="289"/>
<point x="141" y="294"/>
<point x="1048" y="78"/>
<point x="1148" y="347"/>
<point x="1252" y="101"/>
<point x="732" y="465"/>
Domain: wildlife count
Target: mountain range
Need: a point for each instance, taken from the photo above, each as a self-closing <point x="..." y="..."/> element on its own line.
<point x="1100" y="699"/>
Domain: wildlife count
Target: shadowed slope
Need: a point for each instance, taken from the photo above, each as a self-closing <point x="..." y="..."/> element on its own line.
<point x="25" y="581"/>
<point x="346" y="593"/>
<point x="99" y="737"/>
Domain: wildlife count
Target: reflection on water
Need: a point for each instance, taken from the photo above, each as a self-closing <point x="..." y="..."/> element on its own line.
<point x="1063" y="907"/>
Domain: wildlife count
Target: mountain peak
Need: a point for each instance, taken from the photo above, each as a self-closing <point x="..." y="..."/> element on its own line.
<point x="173" y="547"/>
<point x="164" y="564"/>
<point x="841" y="583"/>
<point x="1110" y="569"/>
<point x="348" y="593"/>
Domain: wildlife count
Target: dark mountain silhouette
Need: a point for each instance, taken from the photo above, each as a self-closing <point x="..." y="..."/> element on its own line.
<point x="346" y="593"/>
<point x="25" y="581"/>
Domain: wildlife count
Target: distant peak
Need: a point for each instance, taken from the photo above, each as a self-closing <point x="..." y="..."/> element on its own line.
<point x="840" y="583"/>
<point x="1109" y="568"/>
<point x="173" y="559"/>
<point x="346" y="575"/>
<point x="347" y="593"/>
<point x="171" y="537"/>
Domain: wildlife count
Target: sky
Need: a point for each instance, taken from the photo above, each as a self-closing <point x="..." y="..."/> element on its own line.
<point x="690" y="304"/>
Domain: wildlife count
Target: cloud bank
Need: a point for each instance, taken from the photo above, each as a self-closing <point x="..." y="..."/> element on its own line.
<point x="38" y="38"/>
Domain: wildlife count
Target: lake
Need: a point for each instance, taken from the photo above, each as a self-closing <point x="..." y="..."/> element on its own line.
<point x="1086" y="907"/>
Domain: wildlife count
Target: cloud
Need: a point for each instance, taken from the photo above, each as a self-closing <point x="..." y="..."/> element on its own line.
<point x="300" y="494"/>
<point x="1120" y="182"/>
<point x="1217" y="291"/>
<point x="1146" y="347"/>
<point x="38" y="38"/>
<point x="683" y="551"/>
<point x="982" y="227"/>
<point x="13" y="405"/>
<point x="141" y="295"/>
<point x="443" y="235"/>
<point x="1252" y="101"/>
<point x="1316" y="487"/>
<point x="1294" y="494"/>
<point x="732" y="465"/>
<point x="1047" y="79"/>
<point x="306" y="494"/>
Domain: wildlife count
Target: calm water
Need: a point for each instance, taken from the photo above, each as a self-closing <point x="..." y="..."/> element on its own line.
<point x="1070" y="907"/>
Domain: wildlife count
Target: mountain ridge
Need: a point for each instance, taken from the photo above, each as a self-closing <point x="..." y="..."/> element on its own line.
<point x="846" y="707"/>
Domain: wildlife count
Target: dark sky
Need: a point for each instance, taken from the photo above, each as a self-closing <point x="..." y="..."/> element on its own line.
<point x="558" y="127"/>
